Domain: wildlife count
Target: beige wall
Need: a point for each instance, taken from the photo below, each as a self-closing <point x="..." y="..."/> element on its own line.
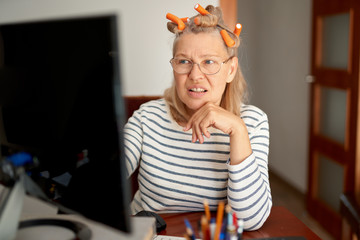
<point x="145" y="41"/>
<point x="276" y="58"/>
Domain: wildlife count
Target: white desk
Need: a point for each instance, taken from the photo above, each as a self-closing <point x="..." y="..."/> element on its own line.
<point x="142" y="227"/>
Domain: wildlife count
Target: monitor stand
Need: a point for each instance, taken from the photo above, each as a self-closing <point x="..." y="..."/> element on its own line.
<point x="12" y="200"/>
<point x="11" y="204"/>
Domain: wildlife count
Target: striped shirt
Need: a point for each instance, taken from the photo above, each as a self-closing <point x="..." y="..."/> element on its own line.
<point x="176" y="175"/>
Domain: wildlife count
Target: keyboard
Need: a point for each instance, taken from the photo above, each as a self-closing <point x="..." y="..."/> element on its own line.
<point x="164" y="237"/>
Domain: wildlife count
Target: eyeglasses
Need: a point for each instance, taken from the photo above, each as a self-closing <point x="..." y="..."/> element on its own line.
<point x="208" y="67"/>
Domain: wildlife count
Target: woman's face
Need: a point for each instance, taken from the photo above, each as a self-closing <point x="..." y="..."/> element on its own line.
<point x="196" y="88"/>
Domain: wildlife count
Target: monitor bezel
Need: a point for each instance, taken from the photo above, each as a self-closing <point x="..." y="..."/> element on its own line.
<point x="119" y="108"/>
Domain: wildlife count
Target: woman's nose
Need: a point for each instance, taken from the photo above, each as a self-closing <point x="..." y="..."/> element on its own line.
<point x="196" y="72"/>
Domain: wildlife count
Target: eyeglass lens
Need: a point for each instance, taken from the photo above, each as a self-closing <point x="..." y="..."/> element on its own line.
<point x="183" y="66"/>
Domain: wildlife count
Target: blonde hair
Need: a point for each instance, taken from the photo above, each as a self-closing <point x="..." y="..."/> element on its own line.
<point x="235" y="91"/>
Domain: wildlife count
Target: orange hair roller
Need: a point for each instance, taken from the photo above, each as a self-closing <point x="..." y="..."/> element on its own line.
<point x="175" y="19"/>
<point x="201" y="10"/>
<point x="197" y="21"/>
<point x="228" y="40"/>
<point x="185" y="19"/>
<point x="237" y="30"/>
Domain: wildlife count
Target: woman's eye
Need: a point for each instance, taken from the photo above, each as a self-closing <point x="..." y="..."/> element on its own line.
<point x="183" y="61"/>
<point x="208" y="62"/>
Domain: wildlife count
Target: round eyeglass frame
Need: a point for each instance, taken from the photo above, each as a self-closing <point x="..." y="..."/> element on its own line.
<point x="192" y="65"/>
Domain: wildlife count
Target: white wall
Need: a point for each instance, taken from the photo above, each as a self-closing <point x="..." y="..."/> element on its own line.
<point x="145" y="41"/>
<point x="275" y="59"/>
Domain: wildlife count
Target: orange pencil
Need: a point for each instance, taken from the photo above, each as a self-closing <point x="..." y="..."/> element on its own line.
<point x="205" y="228"/>
<point x="207" y="210"/>
<point x="219" y="219"/>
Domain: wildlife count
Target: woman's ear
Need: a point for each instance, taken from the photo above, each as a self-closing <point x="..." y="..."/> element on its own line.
<point x="232" y="70"/>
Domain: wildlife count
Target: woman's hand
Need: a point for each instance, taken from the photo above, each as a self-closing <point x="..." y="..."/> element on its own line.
<point x="211" y="115"/>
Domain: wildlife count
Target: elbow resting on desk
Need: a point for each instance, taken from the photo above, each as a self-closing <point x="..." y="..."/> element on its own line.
<point x="257" y="220"/>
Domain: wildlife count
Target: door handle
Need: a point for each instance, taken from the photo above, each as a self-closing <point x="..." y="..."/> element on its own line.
<point x="310" y="79"/>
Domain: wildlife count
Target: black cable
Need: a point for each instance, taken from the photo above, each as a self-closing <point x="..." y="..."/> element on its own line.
<point x="81" y="231"/>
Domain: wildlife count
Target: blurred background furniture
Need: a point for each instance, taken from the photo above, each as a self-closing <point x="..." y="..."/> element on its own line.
<point x="350" y="212"/>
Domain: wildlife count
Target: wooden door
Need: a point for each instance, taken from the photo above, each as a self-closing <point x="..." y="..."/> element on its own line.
<point x="334" y="107"/>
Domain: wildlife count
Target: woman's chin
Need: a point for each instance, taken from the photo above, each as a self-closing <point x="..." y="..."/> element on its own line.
<point x="192" y="108"/>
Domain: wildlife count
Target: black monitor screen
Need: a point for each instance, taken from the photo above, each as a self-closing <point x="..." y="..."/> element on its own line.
<point x="60" y="101"/>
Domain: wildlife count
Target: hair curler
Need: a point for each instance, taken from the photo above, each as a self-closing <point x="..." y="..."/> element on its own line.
<point x="175" y="19"/>
<point x="201" y="10"/>
<point x="237" y="30"/>
<point x="185" y="19"/>
<point x="228" y="40"/>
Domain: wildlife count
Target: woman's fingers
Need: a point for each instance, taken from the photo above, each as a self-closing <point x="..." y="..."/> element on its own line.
<point x="196" y="133"/>
<point x="207" y="116"/>
<point x="199" y="124"/>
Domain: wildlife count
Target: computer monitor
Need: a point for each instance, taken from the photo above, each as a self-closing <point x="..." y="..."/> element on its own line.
<point x="61" y="102"/>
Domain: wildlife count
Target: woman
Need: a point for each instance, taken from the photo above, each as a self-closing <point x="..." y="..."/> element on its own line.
<point x="200" y="141"/>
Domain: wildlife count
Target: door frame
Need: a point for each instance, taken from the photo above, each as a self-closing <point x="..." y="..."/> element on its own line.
<point x="346" y="154"/>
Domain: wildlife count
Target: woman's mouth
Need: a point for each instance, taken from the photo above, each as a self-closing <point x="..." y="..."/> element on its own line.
<point x="198" y="90"/>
